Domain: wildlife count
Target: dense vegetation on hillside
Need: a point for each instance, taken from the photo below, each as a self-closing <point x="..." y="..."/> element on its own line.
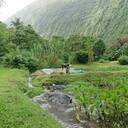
<point x="22" y="47"/>
<point x="99" y="18"/>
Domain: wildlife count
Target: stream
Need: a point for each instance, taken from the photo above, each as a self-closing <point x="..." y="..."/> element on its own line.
<point x="60" y="104"/>
<point x="30" y="82"/>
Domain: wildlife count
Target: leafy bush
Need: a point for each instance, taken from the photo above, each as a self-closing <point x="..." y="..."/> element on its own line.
<point x="53" y="61"/>
<point x="123" y="60"/>
<point x="57" y="79"/>
<point x="99" y="49"/>
<point x="56" y="65"/>
<point x="102" y="61"/>
<point x="32" y="65"/>
<point x="66" y="58"/>
<point x="81" y="57"/>
<point x="108" y="106"/>
<point x="20" y="61"/>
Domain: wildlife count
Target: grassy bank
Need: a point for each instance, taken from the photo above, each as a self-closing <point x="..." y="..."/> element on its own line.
<point x="16" y="109"/>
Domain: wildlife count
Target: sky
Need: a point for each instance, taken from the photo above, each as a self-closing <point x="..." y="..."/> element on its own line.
<point x="11" y="7"/>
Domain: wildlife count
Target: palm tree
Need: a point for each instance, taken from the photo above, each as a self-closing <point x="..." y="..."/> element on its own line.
<point x="17" y="22"/>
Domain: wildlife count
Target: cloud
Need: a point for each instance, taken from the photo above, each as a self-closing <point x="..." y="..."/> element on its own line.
<point x="11" y="7"/>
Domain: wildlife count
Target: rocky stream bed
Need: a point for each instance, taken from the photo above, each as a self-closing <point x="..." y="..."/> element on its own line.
<point x="60" y="105"/>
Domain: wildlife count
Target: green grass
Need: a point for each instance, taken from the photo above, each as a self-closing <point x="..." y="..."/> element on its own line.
<point x="16" y="109"/>
<point x="95" y="78"/>
<point x="98" y="74"/>
<point x="108" y="66"/>
<point x="37" y="86"/>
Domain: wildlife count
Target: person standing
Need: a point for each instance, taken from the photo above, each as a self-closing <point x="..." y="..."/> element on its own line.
<point x="66" y="66"/>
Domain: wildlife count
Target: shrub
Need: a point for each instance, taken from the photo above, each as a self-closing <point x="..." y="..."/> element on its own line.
<point x="81" y="57"/>
<point x="20" y="61"/>
<point x="53" y="61"/>
<point x="102" y="61"/>
<point x="16" y="61"/>
<point x="58" y="79"/>
<point x="107" y="106"/>
<point x="123" y="60"/>
<point x="66" y="58"/>
<point x="99" y="49"/>
<point x="32" y="65"/>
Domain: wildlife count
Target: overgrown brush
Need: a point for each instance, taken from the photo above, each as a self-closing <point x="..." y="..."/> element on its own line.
<point x="107" y="106"/>
<point x="103" y="95"/>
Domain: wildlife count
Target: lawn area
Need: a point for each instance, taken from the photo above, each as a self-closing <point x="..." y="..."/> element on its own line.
<point x="16" y="109"/>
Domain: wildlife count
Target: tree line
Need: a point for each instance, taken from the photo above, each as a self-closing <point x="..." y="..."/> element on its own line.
<point x="22" y="47"/>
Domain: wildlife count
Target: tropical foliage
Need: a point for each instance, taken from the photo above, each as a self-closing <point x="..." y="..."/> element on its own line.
<point x="20" y="44"/>
<point x="100" y="96"/>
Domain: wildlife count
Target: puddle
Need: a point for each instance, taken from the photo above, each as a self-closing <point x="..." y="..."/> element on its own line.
<point x="49" y="71"/>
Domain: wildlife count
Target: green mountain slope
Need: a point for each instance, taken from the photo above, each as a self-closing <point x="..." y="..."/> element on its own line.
<point x="103" y="18"/>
